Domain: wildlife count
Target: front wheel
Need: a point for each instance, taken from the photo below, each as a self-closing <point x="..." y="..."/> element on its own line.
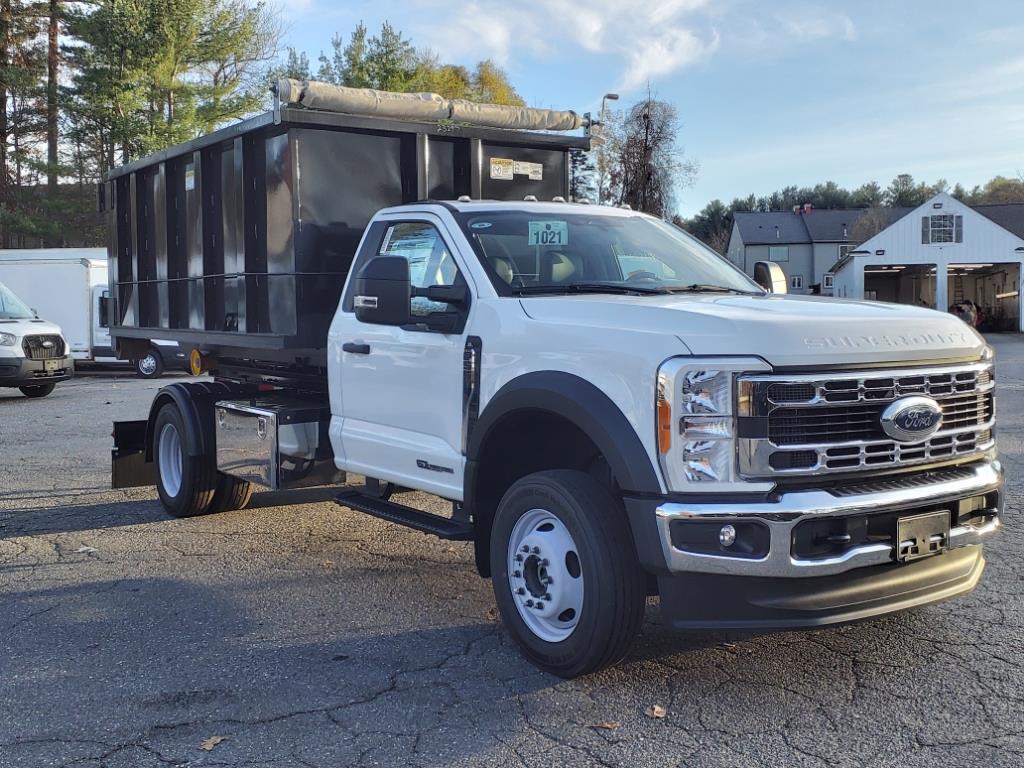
<point x="151" y="366"/>
<point x="39" y="390"/>
<point x="565" y="573"/>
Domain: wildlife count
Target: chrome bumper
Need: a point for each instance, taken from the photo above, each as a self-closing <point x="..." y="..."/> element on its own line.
<point x="790" y="509"/>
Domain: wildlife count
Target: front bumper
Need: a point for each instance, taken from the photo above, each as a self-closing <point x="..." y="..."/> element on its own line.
<point x="778" y="584"/>
<point x="781" y="515"/>
<point x="22" y="372"/>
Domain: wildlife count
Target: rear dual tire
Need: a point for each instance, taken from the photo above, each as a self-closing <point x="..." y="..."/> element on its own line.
<point x="561" y="539"/>
<point x="188" y="485"/>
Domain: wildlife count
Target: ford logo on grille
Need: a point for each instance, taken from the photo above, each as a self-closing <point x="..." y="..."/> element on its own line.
<point x="47" y="344"/>
<point x="912" y="419"/>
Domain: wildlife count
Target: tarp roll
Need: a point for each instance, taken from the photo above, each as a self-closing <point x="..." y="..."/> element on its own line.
<point x="422" y="106"/>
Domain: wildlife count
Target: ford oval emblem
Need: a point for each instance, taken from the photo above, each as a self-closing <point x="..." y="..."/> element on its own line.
<point x="912" y="419"/>
<point x="47" y="344"/>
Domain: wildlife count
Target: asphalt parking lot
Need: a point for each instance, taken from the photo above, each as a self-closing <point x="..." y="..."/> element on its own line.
<point x="304" y="634"/>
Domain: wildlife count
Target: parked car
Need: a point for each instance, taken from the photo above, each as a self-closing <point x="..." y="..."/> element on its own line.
<point x="33" y="352"/>
<point x="69" y="285"/>
<point x="612" y="409"/>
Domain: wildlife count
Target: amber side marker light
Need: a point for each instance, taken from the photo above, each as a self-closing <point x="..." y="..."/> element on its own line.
<point x="664" y="423"/>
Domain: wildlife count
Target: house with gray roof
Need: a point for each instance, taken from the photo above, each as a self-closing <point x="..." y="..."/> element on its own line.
<point x="805" y="242"/>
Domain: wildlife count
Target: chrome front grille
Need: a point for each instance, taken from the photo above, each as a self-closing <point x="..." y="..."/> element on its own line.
<point x="813" y="424"/>
<point x="43" y="347"/>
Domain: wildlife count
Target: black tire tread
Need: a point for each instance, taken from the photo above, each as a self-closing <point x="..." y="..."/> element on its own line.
<point x="37" y="390"/>
<point x="231" y="494"/>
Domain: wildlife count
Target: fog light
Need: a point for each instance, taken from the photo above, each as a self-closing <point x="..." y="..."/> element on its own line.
<point x="727" y="536"/>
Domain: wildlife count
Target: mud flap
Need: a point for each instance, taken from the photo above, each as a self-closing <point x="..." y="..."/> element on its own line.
<point x="128" y="465"/>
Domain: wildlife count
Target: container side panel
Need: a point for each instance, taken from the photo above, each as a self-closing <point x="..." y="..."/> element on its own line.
<point x="255" y="201"/>
<point x="177" y="252"/>
<point x="194" y="241"/>
<point x="234" y="237"/>
<point x="213" y="239"/>
<point x="511" y="172"/>
<point x="121" y="268"/>
<point x="158" y="230"/>
<point x="344" y="179"/>
<point x="441" y="172"/>
<point x="280" y="284"/>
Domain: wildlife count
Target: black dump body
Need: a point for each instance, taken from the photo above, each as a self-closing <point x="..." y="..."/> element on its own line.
<point x="238" y="243"/>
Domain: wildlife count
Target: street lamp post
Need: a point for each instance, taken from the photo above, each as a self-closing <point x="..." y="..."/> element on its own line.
<point x="601" y="160"/>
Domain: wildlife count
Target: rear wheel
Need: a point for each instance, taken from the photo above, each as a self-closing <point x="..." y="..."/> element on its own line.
<point x="565" y="573"/>
<point x="151" y="366"/>
<point x="231" y="494"/>
<point x="186" y="484"/>
<point x="39" y="390"/>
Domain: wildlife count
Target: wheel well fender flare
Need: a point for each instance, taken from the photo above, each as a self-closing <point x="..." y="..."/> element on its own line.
<point x="585" y="405"/>
<point x="195" y="403"/>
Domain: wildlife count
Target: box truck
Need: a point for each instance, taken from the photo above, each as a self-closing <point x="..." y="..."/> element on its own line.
<point x="391" y="293"/>
<point x="69" y="286"/>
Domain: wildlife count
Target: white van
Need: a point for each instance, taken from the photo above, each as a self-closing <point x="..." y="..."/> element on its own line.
<point x="70" y="287"/>
<point x="33" y="352"/>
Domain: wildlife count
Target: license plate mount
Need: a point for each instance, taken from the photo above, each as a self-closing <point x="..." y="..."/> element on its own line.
<point x="923" y="535"/>
<point x="51" y="365"/>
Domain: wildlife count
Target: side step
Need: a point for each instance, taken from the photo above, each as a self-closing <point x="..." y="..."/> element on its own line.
<point x="442" y="527"/>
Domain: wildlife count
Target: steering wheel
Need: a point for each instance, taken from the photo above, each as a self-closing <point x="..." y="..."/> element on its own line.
<point x="642" y="274"/>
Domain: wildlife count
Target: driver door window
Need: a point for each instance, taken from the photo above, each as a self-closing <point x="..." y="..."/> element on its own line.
<point x="430" y="261"/>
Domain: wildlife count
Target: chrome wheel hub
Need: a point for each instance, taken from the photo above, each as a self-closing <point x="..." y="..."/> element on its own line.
<point x="148" y="364"/>
<point x="545" y="575"/>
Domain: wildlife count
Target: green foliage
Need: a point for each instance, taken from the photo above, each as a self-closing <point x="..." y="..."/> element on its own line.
<point x="388" y="61"/>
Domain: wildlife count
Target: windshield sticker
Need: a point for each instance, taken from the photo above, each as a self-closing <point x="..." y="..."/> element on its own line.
<point x="548" y="233"/>
<point x="502" y="168"/>
<point x="534" y="170"/>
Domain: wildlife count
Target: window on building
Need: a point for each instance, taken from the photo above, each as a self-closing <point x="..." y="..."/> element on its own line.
<point x="796" y="282"/>
<point x="942" y="228"/>
<point x="828" y="280"/>
<point x="845" y="249"/>
<point x="778" y="253"/>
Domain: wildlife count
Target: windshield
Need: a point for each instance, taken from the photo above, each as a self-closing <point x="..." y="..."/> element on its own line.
<point x="572" y="252"/>
<point x="11" y="307"/>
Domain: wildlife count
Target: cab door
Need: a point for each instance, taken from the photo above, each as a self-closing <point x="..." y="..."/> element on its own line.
<point x="398" y="415"/>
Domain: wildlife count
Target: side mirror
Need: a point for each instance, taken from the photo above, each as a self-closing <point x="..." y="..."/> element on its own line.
<point x="104" y="311"/>
<point x="770" y="276"/>
<point x="383" y="291"/>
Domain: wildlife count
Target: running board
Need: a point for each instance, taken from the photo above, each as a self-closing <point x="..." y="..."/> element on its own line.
<point x="442" y="527"/>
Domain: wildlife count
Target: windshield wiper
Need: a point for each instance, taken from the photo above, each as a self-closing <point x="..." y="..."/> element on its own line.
<point x="616" y="288"/>
<point x="709" y="288"/>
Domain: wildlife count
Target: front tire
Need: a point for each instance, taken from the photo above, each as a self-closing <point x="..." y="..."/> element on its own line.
<point x="39" y="390"/>
<point x="565" y="573"/>
<point x="186" y="484"/>
<point x="151" y="366"/>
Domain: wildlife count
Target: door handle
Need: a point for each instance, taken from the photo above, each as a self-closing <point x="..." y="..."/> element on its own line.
<point x="355" y="349"/>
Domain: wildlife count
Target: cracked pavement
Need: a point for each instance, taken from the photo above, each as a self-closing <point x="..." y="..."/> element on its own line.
<point x="305" y="634"/>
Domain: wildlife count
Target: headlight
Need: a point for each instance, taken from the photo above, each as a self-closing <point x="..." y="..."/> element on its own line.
<point x="7" y="339"/>
<point x="988" y="353"/>
<point x="696" y="429"/>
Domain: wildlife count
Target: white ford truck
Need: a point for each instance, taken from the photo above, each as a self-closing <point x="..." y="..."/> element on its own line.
<point x="614" y="412"/>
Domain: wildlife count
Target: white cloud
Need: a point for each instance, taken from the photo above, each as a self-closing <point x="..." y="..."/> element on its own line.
<point x="810" y="24"/>
<point x="650" y="38"/>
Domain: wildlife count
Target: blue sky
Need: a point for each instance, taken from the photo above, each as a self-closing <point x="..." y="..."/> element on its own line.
<point x="770" y="93"/>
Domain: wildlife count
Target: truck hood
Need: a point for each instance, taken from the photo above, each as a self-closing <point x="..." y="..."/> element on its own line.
<point x="31" y="327"/>
<point x="786" y="331"/>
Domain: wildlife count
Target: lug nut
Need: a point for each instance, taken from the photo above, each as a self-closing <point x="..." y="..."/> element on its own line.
<point x="544" y="563"/>
<point x="529" y="603"/>
<point x="520" y="591"/>
<point x="526" y="549"/>
<point x="536" y="550"/>
<point x="547" y="596"/>
<point x="516" y="574"/>
<point x="539" y="606"/>
<point x="519" y="558"/>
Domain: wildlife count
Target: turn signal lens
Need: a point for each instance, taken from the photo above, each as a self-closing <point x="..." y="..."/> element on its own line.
<point x="664" y="419"/>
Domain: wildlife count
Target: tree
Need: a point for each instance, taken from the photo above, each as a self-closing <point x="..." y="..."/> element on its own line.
<point x="869" y="224"/>
<point x="582" y="182"/>
<point x="647" y="166"/>
<point x="869" y="195"/>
